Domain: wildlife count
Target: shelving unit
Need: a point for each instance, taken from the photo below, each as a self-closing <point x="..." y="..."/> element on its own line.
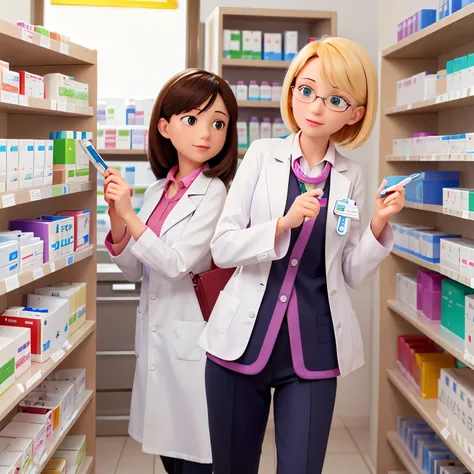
<point x="34" y="119"/>
<point x="123" y="155"/>
<point x="308" y="24"/>
<point x="427" y="50"/>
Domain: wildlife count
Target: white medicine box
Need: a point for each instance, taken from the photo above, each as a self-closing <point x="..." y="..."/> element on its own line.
<point x="21" y="338"/>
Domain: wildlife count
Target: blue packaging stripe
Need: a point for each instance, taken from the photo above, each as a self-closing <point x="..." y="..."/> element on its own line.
<point x="31" y="148"/>
<point x="42" y="148"/>
<point x="46" y="346"/>
<point x="14" y="148"/>
<point x="13" y="256"/>
<point x="3" y="149"/>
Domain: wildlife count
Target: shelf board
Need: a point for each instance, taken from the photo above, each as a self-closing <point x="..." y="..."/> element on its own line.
<point x="123" y="155"/>
<point x="457" y="100"/>
<point x="424" y="207"/>
<point x="255" y="63"/>
<point x="258" y="104"/>
<point x="25" y="196"/>
<point x="38" y="372"/>
<point x="304" y="15"/>
<point x="403" y="453"/>
<point x="422" y="263"/>
<point x="61" y="433"/>
<point x="19" y="52"/>
<point x="87" y="466"/>
<point x="428" y="410"/>
<point x="33" y="106"/>
<point x="21" y="279"/>
<point x="455" y="158"/>
<point x="433" y="329"/>
<point x="440" y="38"/>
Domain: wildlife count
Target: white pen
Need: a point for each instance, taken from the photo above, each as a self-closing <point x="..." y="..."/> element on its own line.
<point x="402" y="183"/>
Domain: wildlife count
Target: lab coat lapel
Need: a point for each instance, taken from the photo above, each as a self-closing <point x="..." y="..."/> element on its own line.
<point x="151" y="201"/>
<point x="277" y="176"/>
<point x="339" y="189"/>
<point x="188" y="203"/>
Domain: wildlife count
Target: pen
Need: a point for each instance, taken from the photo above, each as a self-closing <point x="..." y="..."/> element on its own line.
<point x="402" y="183"/>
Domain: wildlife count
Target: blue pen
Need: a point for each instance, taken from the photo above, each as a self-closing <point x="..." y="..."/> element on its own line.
<point x="402" y="183"/>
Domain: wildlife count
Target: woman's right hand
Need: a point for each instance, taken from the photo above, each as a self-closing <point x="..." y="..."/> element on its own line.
<point x="305" y="206"/>
<point x="111" y="211"/>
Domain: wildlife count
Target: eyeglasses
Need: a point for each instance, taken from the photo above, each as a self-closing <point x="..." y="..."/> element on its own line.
<point x="334" y="103"/>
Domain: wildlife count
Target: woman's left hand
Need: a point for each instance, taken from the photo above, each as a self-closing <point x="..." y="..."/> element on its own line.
<point x="386" y="207"/>
<point x="118" y="191"/>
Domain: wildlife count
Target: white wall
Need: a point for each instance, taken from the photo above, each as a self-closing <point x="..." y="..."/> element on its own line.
<point x="138" y="49"/>
<point x="354" y="20"/>
<point x="15" y="10"/>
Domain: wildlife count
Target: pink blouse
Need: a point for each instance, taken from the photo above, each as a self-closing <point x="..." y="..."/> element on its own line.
<point x="162" y="210"/>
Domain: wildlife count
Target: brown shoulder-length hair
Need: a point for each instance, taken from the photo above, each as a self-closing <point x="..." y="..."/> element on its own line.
<point x="184" y="92"/>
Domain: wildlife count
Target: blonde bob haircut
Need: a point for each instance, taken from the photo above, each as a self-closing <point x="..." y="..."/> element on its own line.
<point x="344" y="65"/>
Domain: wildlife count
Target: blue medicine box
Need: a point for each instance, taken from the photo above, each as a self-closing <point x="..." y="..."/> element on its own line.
<point x="434" y="240"/>
<point x="465" y="3"/>
<point x="453" y="6"/>
<point x="428" y="187"/>
<point x="426" y="17"/>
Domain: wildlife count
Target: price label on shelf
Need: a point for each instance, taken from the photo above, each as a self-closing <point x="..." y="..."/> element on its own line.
<point x="67" y="346"/>
<point x="8" y="200"/>
<point x="23" y="101"/>
<point x="54" y="105"/>
<point x="439" y="99"/>
<point x="45" y="41"/>
<point x="58" y="355"/>
<point x="445" y="433"/>
<point x="35" y="195"/>
<point x="52" y="267"/>
<point x="465" y="214"/>
<point x="65" y="189"/>
<point x="27" y="35"/>
<point x="70" y="260"/>
<point x="463" y="93"/>
<point x="12" y="283"/>
<point x="62" y="106"/>
<point x="32" y="380"/>
<point x="64" y="48"/>
<point x="38" y="273"/>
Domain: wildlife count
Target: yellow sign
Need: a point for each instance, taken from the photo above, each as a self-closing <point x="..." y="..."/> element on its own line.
<point x="158" y="4"/>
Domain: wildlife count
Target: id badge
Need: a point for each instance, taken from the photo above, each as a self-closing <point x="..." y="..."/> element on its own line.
<point x="347" y="208"/>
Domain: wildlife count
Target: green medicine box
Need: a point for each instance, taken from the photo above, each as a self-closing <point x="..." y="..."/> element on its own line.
<point x="453" y="306"/>
<point x="235" y="44"/>
<point x="64" y="160"/>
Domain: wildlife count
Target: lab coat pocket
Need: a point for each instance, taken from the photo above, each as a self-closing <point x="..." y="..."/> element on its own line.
<point x="224" y="311"/>
<point x="138" y="332"/>
<point x="185" y="340"/>
<point x="356" y="332"/>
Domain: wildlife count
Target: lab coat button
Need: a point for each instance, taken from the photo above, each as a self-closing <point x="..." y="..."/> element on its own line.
<point x="252" y="314"/>
<point x="152" y="368"/>
<point x="294" y="262"/>
<point x="262" y="257"/>
<point x="283" y="298"/>
<point x="333" y="293"/>
<point x="339" y="326"/>
<point x="153" y="296"/>
<point x="153" y="329"/>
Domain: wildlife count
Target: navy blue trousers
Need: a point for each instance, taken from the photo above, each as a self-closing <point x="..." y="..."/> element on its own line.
<point x="239" y="406"/>
<point x="180" y="466"/>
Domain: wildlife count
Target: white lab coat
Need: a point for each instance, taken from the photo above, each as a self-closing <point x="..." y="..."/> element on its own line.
<point x="169" y="412"/>
<point x="258" y="196"/>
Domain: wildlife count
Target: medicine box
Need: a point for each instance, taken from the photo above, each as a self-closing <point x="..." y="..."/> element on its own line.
<point x="290" y="45"/>
<point x="407" y="289"/>
<point x="226" y="47"/>
<point x="65" y="226"/>
<point x="425" y="18"/>
<point x="24" y="430"/>
<point x="31" y="85"/>
<point x="21" y="338"/>
<point x="257" y="45"/>
<point x="450" y="255"/>
<point x="32" y="255"/>
<point x="61" y="88"/>
<point x="73" y="449"/>
<point x="3" y="165"/>
<point x="64" y="160"/>
<point x="469" y="326"/>
<point x="26" y="163"/>
<point x="37" y="419"/>
<point x="10" y="86"/>
<point x="81" y="94"/>
<point x="48" y="162"/>
<point x="39" y="162"/>
<point x="453" y="306"/>
<point x="48" y="322"/>
<point x="24" y="447"/>
<point x="272" y="46"/>
<point x="235" y="44"/>
<point x="9" y="460"/>
<point x="75" y="376"/>
<point x="49" y="232"/>
<point x="247" y="44"/>
<point x="428" y="300"/>
<point x="428" y="244"/>
<point x="7" y="363"/>
<point x="81" y="227"/>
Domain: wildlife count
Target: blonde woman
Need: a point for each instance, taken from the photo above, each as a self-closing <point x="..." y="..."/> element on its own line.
<point x="285" y="319"/>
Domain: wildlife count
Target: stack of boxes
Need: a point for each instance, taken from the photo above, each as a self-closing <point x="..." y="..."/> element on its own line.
<point x="417" y="22"/>
<point x="248" y="45"/>
<point x="416" y="88"/>
<point x="9" y="84"/>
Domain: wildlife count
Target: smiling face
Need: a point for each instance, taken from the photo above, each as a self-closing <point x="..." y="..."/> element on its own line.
<point x="313" y="117"/>
<point x="199" y="134"/>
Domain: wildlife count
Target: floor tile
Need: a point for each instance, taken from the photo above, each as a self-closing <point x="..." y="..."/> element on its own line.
<point x="356" y="421"/>
<point x="341" y="442"/>
<point x="361" y="436"/>
<point x="343" y="463"/>
<point x="109" y="450"/>
<point x="134" y="461"/>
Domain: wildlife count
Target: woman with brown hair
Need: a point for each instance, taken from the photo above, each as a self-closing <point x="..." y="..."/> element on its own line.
<point x="193" y="154"/>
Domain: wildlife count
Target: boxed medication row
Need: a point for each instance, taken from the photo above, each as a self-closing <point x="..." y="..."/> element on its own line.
<point x="448" y="7"/>
<point x="248" y="45"/>
<point x="458" y="199"/>
<point x="120" y="112"/>
<point x="416" y="88"/>
<point x="44" y="32"/>
<point x="431" y="455"/>
<point x="67" y="92"/>
<point x="25" y="163"/>
<point x="255" y="91"/>
<point x="417" y="22"/>
<point x="430" y="144"/>
<point x="122" y="138"/>
<point x="255" y="129"/>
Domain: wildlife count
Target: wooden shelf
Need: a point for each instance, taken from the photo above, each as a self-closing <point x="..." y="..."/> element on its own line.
<point x="62" y="432"/>
<point x="433" y="329"/>
<point x="19" y="280"/>
<point x="32" y="106"/>
<point x="428" y="410"/>
<point x="258" y="104"/>
<point x="444" y="36"/>
<point x="255" y="63"/>
<point x="19" y="52"/>
<point x="419" y="261"/>
<point x="111" y="151"/>
<point x="435" y="158"/>
<point x="432" y="106"/>
<point x="38" y="372"/>
<point x="403" y="453"/>
<point x="87" y="466"/>
<point x="26" y="196"/>
<point x="424" y="207"/>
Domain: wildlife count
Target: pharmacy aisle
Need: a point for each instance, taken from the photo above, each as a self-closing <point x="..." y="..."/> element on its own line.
<point x="47" y="253"/>
<point x="426" y="378"/>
